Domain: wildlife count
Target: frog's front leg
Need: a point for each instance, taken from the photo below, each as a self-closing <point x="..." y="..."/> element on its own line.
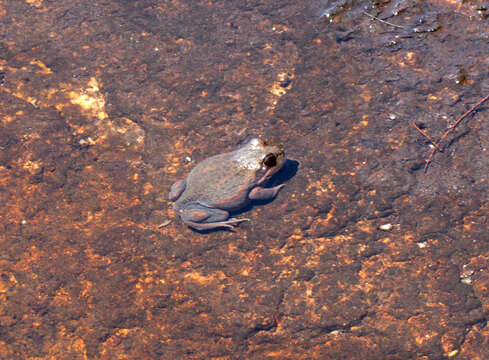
<point x="201" y="217"/>
<point x="260" y="193"/>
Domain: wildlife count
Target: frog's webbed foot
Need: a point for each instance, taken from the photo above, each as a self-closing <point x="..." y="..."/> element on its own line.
<point x="260" y="193"/>
<point x="201" y="217"/>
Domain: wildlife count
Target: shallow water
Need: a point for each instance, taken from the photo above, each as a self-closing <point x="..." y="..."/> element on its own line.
<point x="104" y="106"/>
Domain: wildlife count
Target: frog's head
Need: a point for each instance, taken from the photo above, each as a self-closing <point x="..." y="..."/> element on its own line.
<point x="262" y="157"/>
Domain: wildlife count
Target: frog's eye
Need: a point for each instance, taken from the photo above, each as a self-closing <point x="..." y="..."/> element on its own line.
<point x="270" y="160"/>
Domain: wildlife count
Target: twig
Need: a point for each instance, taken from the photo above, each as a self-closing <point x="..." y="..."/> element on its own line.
<point x="164" y="223"/>
<point x="463" y="117"/>
<point x="428" y="160"/>
<point x="426" y="136"/>
<point x="383" y="21"/>
<point x="449" y="131"/>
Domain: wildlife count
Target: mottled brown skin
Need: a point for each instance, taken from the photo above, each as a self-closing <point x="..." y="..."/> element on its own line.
<point x="227" y="182"/>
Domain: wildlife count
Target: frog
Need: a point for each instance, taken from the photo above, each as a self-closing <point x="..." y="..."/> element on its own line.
<point x="226" y="183"/>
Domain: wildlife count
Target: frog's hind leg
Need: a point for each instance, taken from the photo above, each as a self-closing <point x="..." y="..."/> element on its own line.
<point x="177" y="189"/>
<point x="201" y="217"/>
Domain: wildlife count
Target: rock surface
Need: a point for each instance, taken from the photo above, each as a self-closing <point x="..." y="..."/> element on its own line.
<point x="104" y="104"/>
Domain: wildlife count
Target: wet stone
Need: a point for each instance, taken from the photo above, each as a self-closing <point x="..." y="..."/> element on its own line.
<point x="105" y="104"/>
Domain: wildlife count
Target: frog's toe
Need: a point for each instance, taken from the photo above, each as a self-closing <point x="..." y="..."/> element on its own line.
<point x="230" y="224"/>
<point x="235" y="221"/>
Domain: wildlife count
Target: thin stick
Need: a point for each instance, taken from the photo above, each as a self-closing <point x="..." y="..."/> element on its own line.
<point x="428" y="161"/>
<point x="383" y="21"/>
<point x="451" y="129"/>
<point x="426" y="136"/>
<point x="463" y="117"/>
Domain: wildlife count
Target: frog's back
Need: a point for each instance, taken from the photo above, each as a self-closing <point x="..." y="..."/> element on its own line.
<point x="216" y="180"/>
